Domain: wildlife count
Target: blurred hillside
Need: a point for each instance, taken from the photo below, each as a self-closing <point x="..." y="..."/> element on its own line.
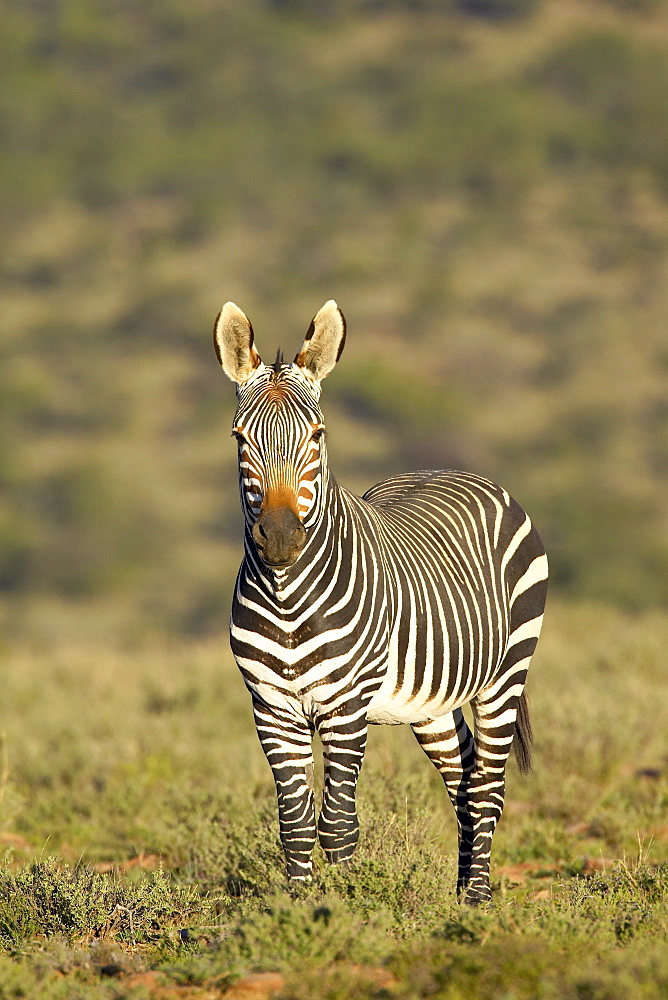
<point x="481" y="184"/>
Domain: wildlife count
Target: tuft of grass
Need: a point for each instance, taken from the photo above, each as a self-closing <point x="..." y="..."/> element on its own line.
<point x="48" y="899"/>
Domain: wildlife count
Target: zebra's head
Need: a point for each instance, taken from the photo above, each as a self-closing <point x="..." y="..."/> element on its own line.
<point x="279" y="428"/>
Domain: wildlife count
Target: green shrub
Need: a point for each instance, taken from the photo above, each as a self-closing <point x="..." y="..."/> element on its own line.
<point x="48" y="898"/>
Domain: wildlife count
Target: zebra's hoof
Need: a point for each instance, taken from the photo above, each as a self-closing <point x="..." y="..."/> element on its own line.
<point x="475" y="895"/>
<point x="299" y="884"/>
<point x="340" y="857"/>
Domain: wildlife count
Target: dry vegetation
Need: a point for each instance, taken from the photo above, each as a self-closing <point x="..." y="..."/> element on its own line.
<point x="140" y="836"/>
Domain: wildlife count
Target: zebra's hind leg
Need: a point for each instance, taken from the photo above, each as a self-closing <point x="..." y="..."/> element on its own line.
<point x="344" y="741"/>
<point x="286" y="741"/>
<point x="448" y="743"/>
<point x="495" y="712"/>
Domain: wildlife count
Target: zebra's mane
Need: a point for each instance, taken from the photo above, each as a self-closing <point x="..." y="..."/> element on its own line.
<point x="278" y="362"/>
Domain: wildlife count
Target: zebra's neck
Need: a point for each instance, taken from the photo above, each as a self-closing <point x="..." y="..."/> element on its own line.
<point x="322" y="554"/>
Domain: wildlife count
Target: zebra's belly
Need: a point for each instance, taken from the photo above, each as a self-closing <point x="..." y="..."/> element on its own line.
<point x="411" y="694"/>
<point x="392" y="708"/>
<point x="393" y="713"/>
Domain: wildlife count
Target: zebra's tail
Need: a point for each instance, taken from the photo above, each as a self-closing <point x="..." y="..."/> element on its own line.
<point x="523" y="737"/>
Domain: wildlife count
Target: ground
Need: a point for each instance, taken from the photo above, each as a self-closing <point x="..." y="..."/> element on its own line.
<point x="141" y="856"/>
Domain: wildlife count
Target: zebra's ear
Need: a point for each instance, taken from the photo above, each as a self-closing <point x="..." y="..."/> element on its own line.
<point x="324" y="342"/>
<point x="233" y="341"/>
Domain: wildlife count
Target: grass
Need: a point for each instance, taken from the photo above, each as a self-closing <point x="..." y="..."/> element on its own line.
<point x="140" y="850"/>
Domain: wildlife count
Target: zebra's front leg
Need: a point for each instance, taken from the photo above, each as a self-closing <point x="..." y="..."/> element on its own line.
<point x="287" y="743"/>
<point x="343" y="738"/>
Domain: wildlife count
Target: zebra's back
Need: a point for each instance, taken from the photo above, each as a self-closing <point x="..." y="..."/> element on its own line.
<point x="466" y="581"/>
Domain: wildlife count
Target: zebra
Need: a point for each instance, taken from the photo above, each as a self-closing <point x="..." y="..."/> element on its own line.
<point x="401" y="606"/>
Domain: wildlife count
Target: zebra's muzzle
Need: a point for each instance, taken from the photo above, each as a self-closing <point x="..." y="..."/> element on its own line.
<point x="279" y="536"/>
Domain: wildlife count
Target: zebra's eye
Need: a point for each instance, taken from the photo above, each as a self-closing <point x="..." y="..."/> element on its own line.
<point x="238" y="435"/>
<point x="317" y="433"/>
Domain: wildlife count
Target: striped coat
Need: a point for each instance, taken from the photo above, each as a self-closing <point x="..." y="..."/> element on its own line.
<point x="398" y="607"/>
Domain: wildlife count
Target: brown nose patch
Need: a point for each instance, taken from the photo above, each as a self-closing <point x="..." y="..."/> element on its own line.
<point x="280" y="496"/>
